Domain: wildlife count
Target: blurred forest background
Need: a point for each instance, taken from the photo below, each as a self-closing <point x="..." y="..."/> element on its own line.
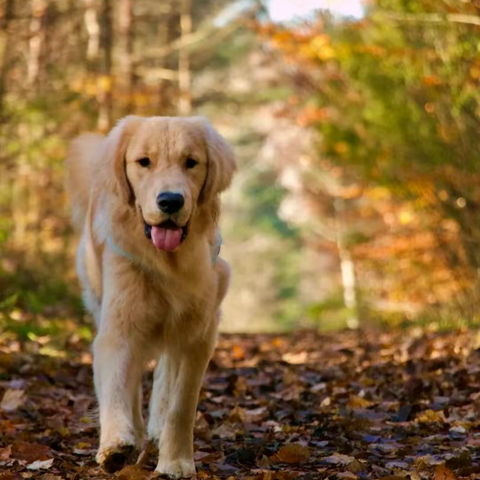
<point x="357" y="136"/>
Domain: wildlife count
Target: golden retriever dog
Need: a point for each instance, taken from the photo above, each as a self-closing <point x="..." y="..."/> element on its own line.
<point x="145" y="200"/>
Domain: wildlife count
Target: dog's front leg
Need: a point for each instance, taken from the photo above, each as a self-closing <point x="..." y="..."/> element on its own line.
<point x="117" y="374"/>
<point x="163" y="383"/>
<point x="176" y="440"/>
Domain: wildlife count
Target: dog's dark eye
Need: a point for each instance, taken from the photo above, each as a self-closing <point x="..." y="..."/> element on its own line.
<point x="191" y="163"/>
<point x="144" y="162"/>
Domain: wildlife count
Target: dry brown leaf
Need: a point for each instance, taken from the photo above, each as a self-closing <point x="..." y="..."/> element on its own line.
<point x="295" y="358"/>
<point x="5" y="453"/>
<point x="430" y="416"/>
<point x="40" y="465"/>
<point x="208" y="457"/>
<point x="225" y="431"/>
<point x="392" y="477"/>
<point x="133" y="472"/>
<point x="256" y="414"/>
<point x="356" y="466"/>
<point x="30" y="452"/>
<point x="444" y="473"/>
<point x="202" y="427"/>
<point x="50" y="476"/>
<point x="358" y="402"/>
<point x="264" y="462"/>
<point x="11" y="476"/>
<point x="12" y="399"/>
<point x="237" y="415"/>
<point x="338" y="459"/>
<point x="238" y="352"/>
<point x="293" y="453"/>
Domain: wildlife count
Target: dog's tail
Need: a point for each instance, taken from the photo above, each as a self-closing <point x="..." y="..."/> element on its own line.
<point x="81" y="159"/>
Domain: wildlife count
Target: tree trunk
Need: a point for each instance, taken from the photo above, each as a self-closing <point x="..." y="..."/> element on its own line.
<point x="19" y="205"/>
<point x="105" y="81"/>
<point x="126" y="58"/>
<point x="347" y="269"/>
<point x="349" y="284"/>
<point x="5" y="51"/>
<point x="36" y="41"/>
<point x="93" y="30"/>
<point x="184" y="79"/>
<point x="166" y="93"/>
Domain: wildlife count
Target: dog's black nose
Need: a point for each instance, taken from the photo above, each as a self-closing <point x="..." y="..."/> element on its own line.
<point x="169" y="202"/>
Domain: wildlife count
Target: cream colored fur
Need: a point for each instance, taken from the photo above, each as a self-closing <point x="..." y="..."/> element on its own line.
<point x="161" y="305"/>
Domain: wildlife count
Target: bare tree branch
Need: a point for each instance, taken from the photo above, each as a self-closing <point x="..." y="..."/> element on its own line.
<point x="431" y="18"/>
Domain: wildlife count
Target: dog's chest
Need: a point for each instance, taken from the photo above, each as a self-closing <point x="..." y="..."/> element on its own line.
<point x="174" y="305"/>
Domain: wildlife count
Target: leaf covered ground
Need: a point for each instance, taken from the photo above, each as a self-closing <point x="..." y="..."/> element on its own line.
<point x="348" y="405"/>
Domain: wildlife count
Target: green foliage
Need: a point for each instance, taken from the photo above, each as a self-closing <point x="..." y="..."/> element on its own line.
<point x="264" y="196"/>
<point x="394" y="99"/>
<point x="271" y="250"/>
<point x="331" y="313"/>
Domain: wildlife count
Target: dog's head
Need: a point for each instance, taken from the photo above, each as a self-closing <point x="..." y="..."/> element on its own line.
<point x="166" y="167"/>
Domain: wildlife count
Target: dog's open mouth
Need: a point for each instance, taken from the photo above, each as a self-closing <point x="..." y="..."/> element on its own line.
<point x="167" y="236"/>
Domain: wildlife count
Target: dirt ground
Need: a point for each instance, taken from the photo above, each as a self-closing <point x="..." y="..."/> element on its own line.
<point x="348" y="405"/>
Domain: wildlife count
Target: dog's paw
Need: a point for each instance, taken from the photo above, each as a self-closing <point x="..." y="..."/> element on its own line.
<point x="114" y="458"/>
<point x="154" y="432"/>
<point x="180" y="468"/>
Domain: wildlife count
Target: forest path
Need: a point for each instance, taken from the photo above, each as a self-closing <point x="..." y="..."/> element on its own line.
<point x="345" y="405"/>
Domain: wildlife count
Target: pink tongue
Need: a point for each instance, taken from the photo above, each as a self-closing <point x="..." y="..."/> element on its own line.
<point x="167" y="239"/>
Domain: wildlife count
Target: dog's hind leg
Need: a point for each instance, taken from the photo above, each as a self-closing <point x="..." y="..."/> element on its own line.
<point x="138" y="423"/>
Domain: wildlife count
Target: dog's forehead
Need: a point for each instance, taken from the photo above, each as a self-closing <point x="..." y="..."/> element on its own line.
<point x="172" y="134"/>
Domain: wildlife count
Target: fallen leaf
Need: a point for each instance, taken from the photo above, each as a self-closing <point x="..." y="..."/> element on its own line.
<point x="225" y="431"/>
<point x="87" y="451"/>
<point x="5" y="453"/>
<point x="430" y="416"/>
<point x="430" y="460"/>
<point x="264" y="462"/>
<point x="238" y="352"/>
<point x="207" y="458"/>
<point x="256" y="414"/>
<point x="338" y="459"/>
<point x="457" y="433"/>
<point x="12" y="399"/>
<point x="356" y="466"/>
<point x="444" y="473"/>
<point x="202" y="427"/>
<point x="393" y="477"/>
<point x="237" y="415"/>
<point x="295" y="358"/>
<point x="30" y="452"/>
<point x="358" y="402"/>
<point x="11" y="476"/>
<point x="397" y="465"/>
<point x="293" y="453"/>
<point x="40" y="464"/>
<point x="133" y="472"/>
<point x="347" y="475"/>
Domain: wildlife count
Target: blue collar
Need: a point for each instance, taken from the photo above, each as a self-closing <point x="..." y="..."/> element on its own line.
<point x="120" y="251"/>
<point x="215" y="249"/>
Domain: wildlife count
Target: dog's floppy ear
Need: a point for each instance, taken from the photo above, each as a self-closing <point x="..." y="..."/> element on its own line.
<point x="221" y="163"/>
<point x="115" y="148"/>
